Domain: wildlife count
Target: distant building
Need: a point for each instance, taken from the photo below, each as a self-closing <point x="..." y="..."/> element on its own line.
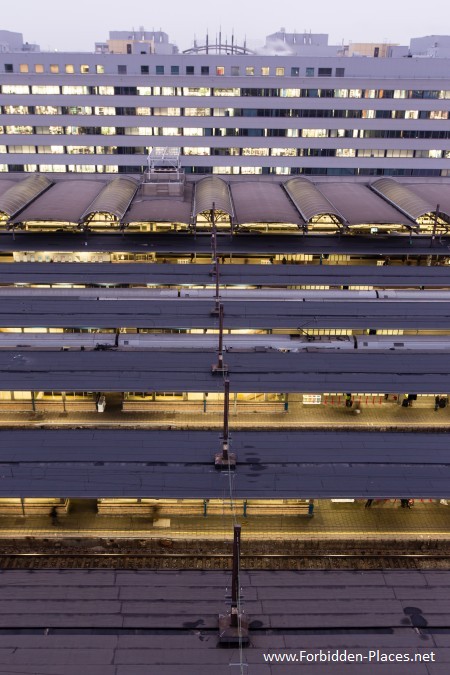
<point x="382" y="50"/>
<point x="13" y="42"/>
<point x="431" y="46"/>
<point x="136" y="42"/>
<point x="298" y="44"/>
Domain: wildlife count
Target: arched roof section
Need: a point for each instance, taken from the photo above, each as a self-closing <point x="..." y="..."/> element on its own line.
<point x="170" y="209"/>
<point x="263" y="202"/>
<point x="434" y="193"/>
<point x="115" y="198"/>
<point x="309" y="200"/>
<point x="212" y="190"/>
<point x="64" y="202"/>
<point x="402" y="198"/>
<point x="22" y="193"/>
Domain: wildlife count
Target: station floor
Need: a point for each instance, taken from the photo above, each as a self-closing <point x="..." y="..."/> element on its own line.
<point x="299" y="416"/>
<point x="385" y="520"/>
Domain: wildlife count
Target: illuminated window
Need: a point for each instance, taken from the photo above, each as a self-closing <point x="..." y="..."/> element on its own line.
<point x="411" y="114"/>
<point x="74" y="89"/>
<point x="54" y="68"/>
<point x="314" y="133"/>
<point x="345" y="152"/>
<point x="143" y="111"/>
<point x="51" y="149"/>
<point x="52" y="168"/>
<point x="265" y="71"/>
<point x="439" y="115"/>
<point x="220" y="70"/>
<point x="15" y="89"/>
<point x="38" y="68"/>
<point x="289" y="93"/>
<point x="104" y="110"/>
<point x="15" y="109"/>
<point x="45" y="89"/>
<point x="106" y="91"/>
<point x="23" y="68"/>
<point x="197" y="112"/>
<point x="193" y="131"/>
<point x="47" y="110"/>
<point x="84" y="69"/>
<point x="69" y="68"/>
<point x="279" y="72"/>
<point x="284" y="152"/>
<point x="99" y="69"/>
<point x="171" y="112"/>
<point x="255" y="152"/>
<point x="231" y="91"/>
<point x="250" y="70"/>
<point x="355" y="93"/>
<point x="341" y="93"/>
<point x="196" y="151"/>
<point x="196" y="91"/>
<point x="108" y="131"/>
<point x="22" y="149"/>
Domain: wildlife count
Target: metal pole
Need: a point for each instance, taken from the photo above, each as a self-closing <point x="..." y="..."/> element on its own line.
<point x="218" y="306"/>
<point x="220" y="362"/>
<point x="436" y="216"/>
<point x="33" y="402"/>
<point x="235" y="576"/>
<point x="226" y="407"/>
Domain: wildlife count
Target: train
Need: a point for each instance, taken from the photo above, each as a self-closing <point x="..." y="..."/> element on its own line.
<point x="104" y="341"/>
<point x="208" y="294"/>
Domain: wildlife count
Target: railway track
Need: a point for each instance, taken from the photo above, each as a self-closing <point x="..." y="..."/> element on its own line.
<point x="177" y="561"/>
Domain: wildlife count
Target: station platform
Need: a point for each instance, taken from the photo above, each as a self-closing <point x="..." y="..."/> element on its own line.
<point x="384" y="520"/>
<point x="299" y="416"/>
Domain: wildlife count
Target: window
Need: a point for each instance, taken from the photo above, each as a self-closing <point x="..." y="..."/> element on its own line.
<point x="15" y="109"/>
<point x="174" y="70"/>
<point x="15" y="89"/>
<point x="235" y="70"/>
<point x="190" y="70"/>
<point x="69" y="68"/>
<point x="265" y="71"/>
<point x="310" y="72"/>
<point x="220" y="70"/>
<point x="122" y="70"/>
<point x="23" y="68"/>
<point x="45" y="89"/>
<point x="69" y="89"/>
<point x="145" y="70"/>
<point x="194" y="91"/>
<point x="144" y="91"/>
<point x="38" y="68"/>
<point x="54" y="68"/>
<point x="295" y="72"/>
<point x="279" y="72"/>
<point x="205" y="70"/>
<point x="197" y="112"/>
<point x="250" y="70"/>
<point x="325" y="72"/>
<point x="9" y="68"/>
<point x="84" y="69"/>
<point x="231" y="91"/>
<point x="99" y="69"/>
<point x="340" y="72"/>
<point x="159" y="70"/>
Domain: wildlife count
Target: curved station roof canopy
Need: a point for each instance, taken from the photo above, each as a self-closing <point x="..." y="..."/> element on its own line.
<point x="297" y="202"/>
<point x="20" y="194"/>
<point x="310" y="201"/>
<point x="114" y="199"/>
<point x="403" y="198"/>
<point x="212" y="192"/>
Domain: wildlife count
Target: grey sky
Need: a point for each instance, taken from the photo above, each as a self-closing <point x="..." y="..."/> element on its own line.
<point x="76" y="25"/>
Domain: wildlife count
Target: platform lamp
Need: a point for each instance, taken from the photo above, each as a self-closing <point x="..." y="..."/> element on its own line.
<point x="225" y="460"/>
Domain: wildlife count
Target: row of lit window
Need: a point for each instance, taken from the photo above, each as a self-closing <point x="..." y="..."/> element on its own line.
<point x="208" y="112"/>
<point x="284" y="92"/>
<point x="264" y="71"/>
<point x="244" y="152"/>
<point x="223" y="132"/>
<point x="227" y="170"/>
